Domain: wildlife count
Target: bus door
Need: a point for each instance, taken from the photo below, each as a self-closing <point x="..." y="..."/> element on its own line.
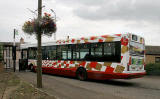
<point x="23" y="62"/>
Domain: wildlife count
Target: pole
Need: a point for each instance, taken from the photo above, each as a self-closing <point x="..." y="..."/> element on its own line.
<point x="54" y="36"/>
<point x="9" y="57"/>
<point x="3" y="52"/>
<point x="6" y="56"/>
<point x="39" y="61"/>
<point x="14" y="52"/>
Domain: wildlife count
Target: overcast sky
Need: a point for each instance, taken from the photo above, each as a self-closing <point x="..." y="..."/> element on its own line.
<point x="77" y="18"/>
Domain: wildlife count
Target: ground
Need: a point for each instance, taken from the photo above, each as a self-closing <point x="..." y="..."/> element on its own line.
<point x="20" y="85"/>
<point x="71" y="88"/>
<point x="12" y="87"/>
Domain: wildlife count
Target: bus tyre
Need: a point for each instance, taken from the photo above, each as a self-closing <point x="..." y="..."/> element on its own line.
<point x="81" y="74"/>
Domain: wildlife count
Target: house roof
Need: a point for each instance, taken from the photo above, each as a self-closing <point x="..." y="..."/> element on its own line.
<point x="10" y="44"/>
<point x="153" y="50"/>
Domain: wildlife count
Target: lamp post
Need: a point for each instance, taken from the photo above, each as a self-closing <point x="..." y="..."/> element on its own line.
<point x="14" y="52"/>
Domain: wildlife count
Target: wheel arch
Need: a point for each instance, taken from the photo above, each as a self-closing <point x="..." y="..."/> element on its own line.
<point x="80" y="70"/>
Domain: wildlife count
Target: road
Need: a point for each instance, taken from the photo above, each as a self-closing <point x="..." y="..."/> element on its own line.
<point x="147" y="87"/>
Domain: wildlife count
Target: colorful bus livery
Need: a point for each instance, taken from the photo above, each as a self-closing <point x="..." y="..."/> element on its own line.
<point x="120" y="56"/>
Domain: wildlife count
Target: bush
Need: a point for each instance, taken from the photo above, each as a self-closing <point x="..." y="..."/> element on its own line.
<point x="153" y="69"/>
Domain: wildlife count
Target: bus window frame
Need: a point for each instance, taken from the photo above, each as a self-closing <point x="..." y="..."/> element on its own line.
<point x="70" y="47"/>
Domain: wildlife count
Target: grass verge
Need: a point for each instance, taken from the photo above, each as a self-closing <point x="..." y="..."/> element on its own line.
<point x="11" y="87"/>
<point x="26" y="91"/>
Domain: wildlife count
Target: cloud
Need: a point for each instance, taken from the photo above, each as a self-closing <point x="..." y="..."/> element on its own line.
<point x="78" y="18"/>
<point x="141" y="10"/>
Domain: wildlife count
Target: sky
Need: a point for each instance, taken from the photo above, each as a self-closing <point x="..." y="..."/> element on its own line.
<point x="83" y="18"/>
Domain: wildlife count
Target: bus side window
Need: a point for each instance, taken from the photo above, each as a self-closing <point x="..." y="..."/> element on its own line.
<point x="96" y="52"/>
<point x="75" y="49"/>
<point x="109" y="49"/>
<point x="59" y="54"/>
<point x="32" y="53"/>
<point x="45" y="52"/>
<point x="48" y="48"/>
<point x="52" y="53"/>
<point x="69" y="52"/>
<point x="118" y="51"/>
<point x="84" y="52"/>
<point x="112" y="51"/>
<point x="64" y="52"/>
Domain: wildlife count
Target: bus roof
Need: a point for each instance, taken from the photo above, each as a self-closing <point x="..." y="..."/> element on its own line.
<point x="103" y="38"/>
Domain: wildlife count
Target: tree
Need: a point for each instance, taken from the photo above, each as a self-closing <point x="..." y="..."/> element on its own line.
<point x="41" y="25"/>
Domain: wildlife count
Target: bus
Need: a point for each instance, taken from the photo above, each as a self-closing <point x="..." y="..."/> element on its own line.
<point x="118" y="56"/>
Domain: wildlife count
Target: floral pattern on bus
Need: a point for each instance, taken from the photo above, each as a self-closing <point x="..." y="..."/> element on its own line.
<point x="104" y="38"/>
<point x="90" y="66"/>
<point x="107" y="67"/>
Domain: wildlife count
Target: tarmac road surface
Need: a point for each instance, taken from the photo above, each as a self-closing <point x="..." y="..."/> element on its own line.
<point x="147" y="87"/>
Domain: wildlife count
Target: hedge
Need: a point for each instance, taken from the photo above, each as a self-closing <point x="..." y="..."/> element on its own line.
<point x="153" y="69"/>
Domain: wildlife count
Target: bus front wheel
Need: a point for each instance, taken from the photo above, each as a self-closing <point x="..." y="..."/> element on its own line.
<point x="81" y="74"/>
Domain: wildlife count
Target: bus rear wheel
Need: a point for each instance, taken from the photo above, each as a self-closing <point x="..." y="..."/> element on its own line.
<point x="81" y="74"/>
